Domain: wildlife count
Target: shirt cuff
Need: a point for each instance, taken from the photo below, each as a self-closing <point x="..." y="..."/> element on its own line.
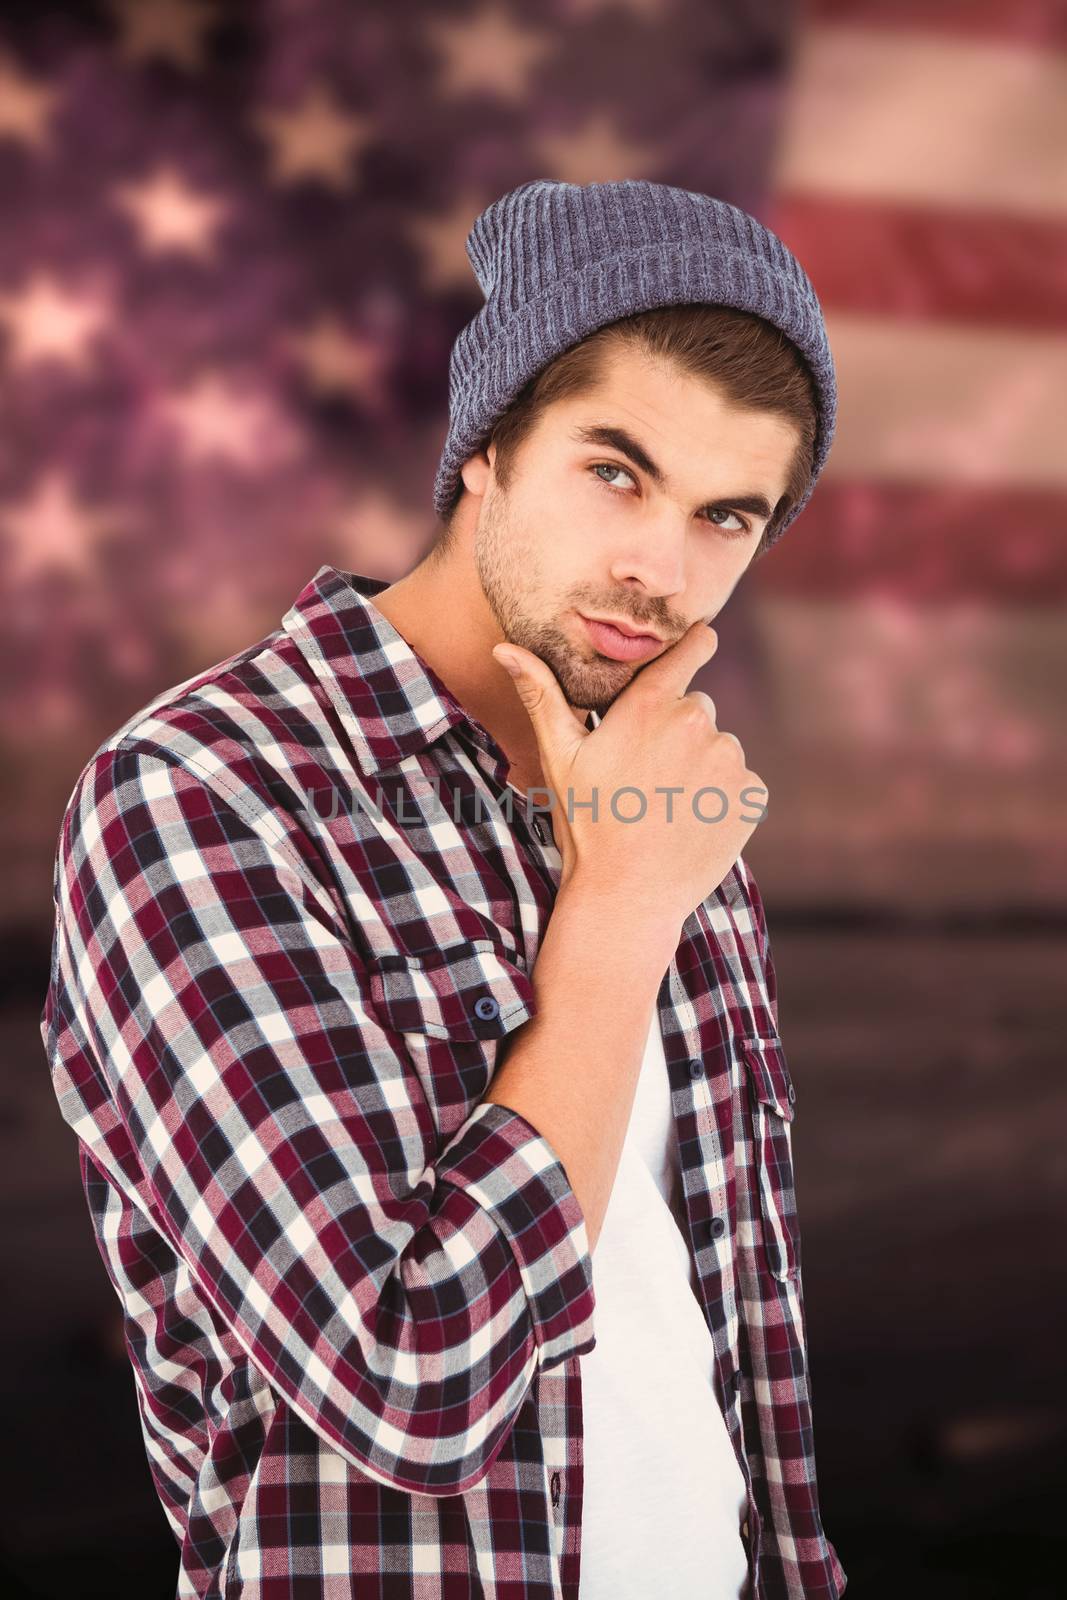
<point x="504" y="1164"/>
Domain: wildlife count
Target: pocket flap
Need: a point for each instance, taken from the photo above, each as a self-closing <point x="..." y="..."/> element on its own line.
<point x="769" y="1074"/>
<point x="464" y="991"/>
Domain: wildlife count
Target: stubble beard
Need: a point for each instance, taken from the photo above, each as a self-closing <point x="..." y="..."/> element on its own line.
<point x="507" y="568"/>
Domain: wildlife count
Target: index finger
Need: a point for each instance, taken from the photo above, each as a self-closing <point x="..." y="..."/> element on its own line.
<point x="671" y="672"/>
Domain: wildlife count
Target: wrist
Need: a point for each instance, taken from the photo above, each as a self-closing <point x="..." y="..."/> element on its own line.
<point x="617" y="916"/>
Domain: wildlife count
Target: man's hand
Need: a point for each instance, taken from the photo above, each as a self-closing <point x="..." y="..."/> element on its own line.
<point x="672" y="852"/>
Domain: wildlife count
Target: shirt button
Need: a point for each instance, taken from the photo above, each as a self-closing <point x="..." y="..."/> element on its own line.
<point x="792" y="1094"/>
<point x="696" y="1068"/>
<point x="486" y="1007"/>
<point x="539" y="829"/>
<point x="716" y="1227"/>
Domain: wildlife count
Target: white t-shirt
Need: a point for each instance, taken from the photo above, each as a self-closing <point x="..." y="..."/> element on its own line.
<point x="664" y="1496"/>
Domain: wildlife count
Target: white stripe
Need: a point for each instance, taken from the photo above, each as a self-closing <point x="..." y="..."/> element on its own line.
<point x="926" y="402"/>
<point x="907" y="114"/>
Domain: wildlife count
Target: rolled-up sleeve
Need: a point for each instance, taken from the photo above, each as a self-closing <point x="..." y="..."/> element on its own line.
<point x="763" y="937"/>
<point x="212" y="1043"/>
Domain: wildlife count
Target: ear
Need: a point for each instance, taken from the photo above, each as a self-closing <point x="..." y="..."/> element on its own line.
<point x="476" y="469"/>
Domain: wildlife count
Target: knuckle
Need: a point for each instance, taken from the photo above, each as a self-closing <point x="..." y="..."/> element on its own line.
<point x="697" y="709"/>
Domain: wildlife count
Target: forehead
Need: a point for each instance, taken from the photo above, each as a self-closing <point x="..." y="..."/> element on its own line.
<point x="654" y="397"/>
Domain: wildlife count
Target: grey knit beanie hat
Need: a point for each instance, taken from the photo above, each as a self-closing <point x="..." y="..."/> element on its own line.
<point x="558" y="260"/>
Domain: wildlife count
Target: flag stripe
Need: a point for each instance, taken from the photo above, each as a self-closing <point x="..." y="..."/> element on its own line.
<point x="1041" y="23"/>
<point x="911" y="261"/>
<point x="919" y="118"/>
<point x="932" y="402"/>
<point x="931" y="544"/>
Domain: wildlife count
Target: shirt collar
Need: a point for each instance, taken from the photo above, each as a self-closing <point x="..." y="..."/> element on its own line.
<point x="391" y="701"/>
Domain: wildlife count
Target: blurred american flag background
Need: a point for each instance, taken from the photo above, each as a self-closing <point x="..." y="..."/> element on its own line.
<point x="231" y="270"/>
<point x="232" y="267"/>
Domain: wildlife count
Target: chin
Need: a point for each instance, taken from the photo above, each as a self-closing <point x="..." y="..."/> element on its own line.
<point x="597" y="688"/>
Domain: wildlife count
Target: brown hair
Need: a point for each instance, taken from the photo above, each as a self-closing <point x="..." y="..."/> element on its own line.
<point x="751" y="361"/>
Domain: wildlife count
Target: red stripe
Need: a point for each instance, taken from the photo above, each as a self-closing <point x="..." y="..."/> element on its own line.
<point x="909" y="261"/>
<point x="1034" y="22"/>
<point x="1002" y="545"/>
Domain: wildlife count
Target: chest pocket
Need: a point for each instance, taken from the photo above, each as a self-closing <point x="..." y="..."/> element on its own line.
<point x="772" y="1105"/>
<point x="452" y="1006"/>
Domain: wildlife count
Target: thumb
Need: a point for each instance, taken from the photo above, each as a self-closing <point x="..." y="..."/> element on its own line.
<point x="556" y="726"/>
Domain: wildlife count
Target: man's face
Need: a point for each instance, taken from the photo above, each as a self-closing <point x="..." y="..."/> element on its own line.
<point x="584" y="530"/>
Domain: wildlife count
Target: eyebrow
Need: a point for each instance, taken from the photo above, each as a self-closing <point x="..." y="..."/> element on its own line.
<point x="616" y="438"/>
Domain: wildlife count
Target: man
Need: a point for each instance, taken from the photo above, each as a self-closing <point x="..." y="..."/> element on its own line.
<point x="441" y="1159"/>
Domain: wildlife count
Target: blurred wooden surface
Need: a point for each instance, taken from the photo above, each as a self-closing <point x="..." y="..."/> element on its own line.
<point x="931" y="1176"/>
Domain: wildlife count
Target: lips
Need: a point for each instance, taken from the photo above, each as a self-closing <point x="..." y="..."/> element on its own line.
<point x="623" y="627"/>
<point x="618" y="646"/>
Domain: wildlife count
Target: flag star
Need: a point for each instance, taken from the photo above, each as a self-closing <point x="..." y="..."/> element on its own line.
<point x="25" y="105"/>
<point x="45" y="322"/>
<point x="171" y="30"/>
<point x="488" y="51"/>
<point x="170" y="215"/>
<point x="596" y="152"/>
<point x="317" y="138"/>
<point x="335" y="362"/>
<point x="52" y="529"/>
<point x="442" y="241"/>
<point x="214" y="418"/>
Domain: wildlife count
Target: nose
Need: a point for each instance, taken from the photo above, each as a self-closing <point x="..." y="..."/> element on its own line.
<point x="657" y="563"/>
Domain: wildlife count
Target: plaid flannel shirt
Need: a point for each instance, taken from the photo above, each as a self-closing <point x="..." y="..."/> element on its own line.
<point x="355" y="1296"/>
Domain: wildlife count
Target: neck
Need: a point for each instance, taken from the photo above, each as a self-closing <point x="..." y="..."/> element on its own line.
<point x="439" y="608"/>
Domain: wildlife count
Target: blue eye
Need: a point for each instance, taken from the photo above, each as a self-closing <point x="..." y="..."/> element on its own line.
<point x="611" y="466"/>
<point x="731" y="533"/>
<point x="737" y="533"/>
